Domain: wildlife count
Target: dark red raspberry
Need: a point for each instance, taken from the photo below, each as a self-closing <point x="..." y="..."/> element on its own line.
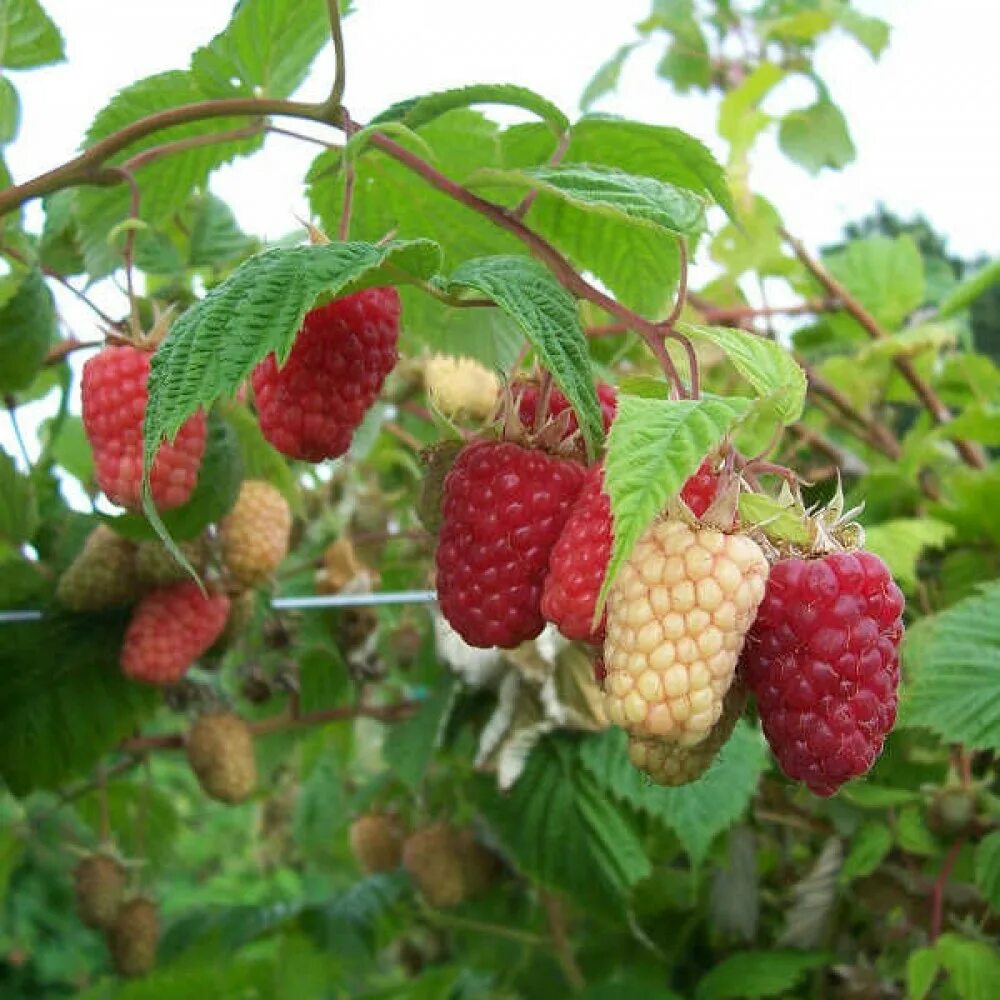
<point x="578" y="562"/>
<point x="527" y="394"/>
<point x="822" y="658"/>
<point x="504" y="507"/>
<point x="699" y="491"/>
<point x="114" y="405"/>
<point x="169" y="629"/>
<point x="311" y="407"/>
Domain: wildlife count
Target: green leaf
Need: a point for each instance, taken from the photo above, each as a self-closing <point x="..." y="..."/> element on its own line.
<point x="10" y="111"/>
<point x="59" y="248"/>
<point x="214" y="346"/>
<point x="605" y="80"/>
<point x="562" y="830"/>
<point x="28" y="36"/>
<point x="974" y="966"/>
<point x="687" y="63"/>
<point x="740" y="119"/>
<point x="654" y="446"/>
<point x="988" y="869"/>
<point x="218" y="485"/>
<point x="765" y="364"/>
<point x="27" y="329"/>
<point x="410" y="745"/>
<point x="321" y="808"/>
<point x="527" y="292"/>
<point x="802" y="25"/>
<point x="964" y="294"/>
<point x="869" y="846"/>
<point x="608" y="192"/>
<point x="142" y="818"/>
<point x="753" y="245"/>
<point x="18" y="505"/>
<point x="901" y="543"/>
<point x="871" y="32"/>
<point x="216" y="239"/>
<point x="758" y="974"/>
<point x="921" y="970"/>
<point x="886" y="275"/>
<point x="952" y="660"/>
<point x="817" y="137"/>
<point x="64" y="702"/>
<point x="165" y="183"/>
<point x="698" y="812"/>
<point x="416" y="112"/>
<point x="265" y="50"/>
<point x="261" y="460"/>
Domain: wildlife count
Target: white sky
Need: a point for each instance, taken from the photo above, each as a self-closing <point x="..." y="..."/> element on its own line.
<point x="923" y="118"/>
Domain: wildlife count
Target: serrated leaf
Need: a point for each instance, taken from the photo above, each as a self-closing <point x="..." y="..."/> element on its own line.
<point x="63" y="700"/>
<point x="353" y="916"/>
<point x="698" y="812"/>
<point x="410" y="745"/>
<point x="735" y="896"/>
<point x="886" y="275"/>
<point x="216" y="239"/>
<point x="18" y="505"/>
<point x="416" y="112"/>
<point x="27" y="329"/>
<point x="817" y="137"/>
<point x="216" y="343"/>
<point x="605" y="80"/>
<point x="973" y="966"/>
<point x="10" y="111"/>
<point x="265" y="50"/>
<point x="765" y="364"/>
<point x="261" y="460"/>
<point x="952" y="661"/>
<point x="166" y="183"/>
<point x="902" y="541"/>
<point x="526" y="291"/>
<point x="869" y="846"/>
<point x="964" y="294"/>
<point x="608" y="192"/>
<point x="988" y="869"/>
<point x="813" y="897"/>
<point x="562" y="830"/>
<point x="758" y="974"/>
<point x="654" y="446"/>
<point x="321" y="807"/>
<point x="28" y="36"/>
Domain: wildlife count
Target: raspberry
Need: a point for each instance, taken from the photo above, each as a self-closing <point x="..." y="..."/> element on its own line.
<point x="311" y="406"/>
<point x="678" y="614"/>
<point x="699" y="491"/>
<point x="578" y="562"/>
<point x="448" y="865"/>
<point x="103" y="575"/>
<point x="220" y="752"/>
<point x="671" y="764"/>
<point x="133" y="938"/>
<point x="99" y="882"/>
<point x="504" y="507"/>
<point x="170" y="628"/>
<point x="461" y="386"/>
<point x="377" y="842"/>
<point x="156" y="567"/>
<point x="254" y="534"/>
<point x="480" y="866"/>
<point x="114" y="405"/>
<point x="823" y="661"/>
<point x="528" y="392"/>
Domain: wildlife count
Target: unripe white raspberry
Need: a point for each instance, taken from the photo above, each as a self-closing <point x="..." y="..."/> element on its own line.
<point x="461" y="386"/>
<point x="678" y="614"/>
<point x="669" y="763"/>
<point x="255" y="533"/>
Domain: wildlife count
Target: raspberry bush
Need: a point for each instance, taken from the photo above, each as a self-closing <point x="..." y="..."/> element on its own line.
<point x="539" y="574"/>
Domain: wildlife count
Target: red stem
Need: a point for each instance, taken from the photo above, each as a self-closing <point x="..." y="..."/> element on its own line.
<point x="940" y="883"/>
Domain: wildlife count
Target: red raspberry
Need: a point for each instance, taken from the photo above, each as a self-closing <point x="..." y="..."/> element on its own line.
<point x="823" y="660"/>
<point x="169" y="629"/>
<point x="311" y="406"/>
<point x="504" y="507"/>
<point x="578" y="563"/>
<point x="699" y="491"/>
<point x="527" y="394"/>
<point x="114" y="405"/>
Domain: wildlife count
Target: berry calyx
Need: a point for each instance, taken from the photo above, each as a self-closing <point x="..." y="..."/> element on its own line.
<point x="114" y="397"/>
<point x="169" y="629"/>
<point x="678" y="614"/>
<point x="310" y="407"/>
<point x="823" y="661"/>
<point x="504" y="507"/>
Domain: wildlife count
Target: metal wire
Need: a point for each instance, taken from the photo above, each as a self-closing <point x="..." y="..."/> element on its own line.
<point x="305" y="602"/>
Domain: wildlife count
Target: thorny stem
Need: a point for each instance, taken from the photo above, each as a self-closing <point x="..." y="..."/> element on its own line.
<point x="682" y="283"/>
<point x="939" y="412"/>
<point x="60" y="351"/>
<point x="939" y="886"/>
<point x="155" y="153"/>
<point x="340" y="72"/>
<point x="560" y="942"/>
<point x="301" y="136"/>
